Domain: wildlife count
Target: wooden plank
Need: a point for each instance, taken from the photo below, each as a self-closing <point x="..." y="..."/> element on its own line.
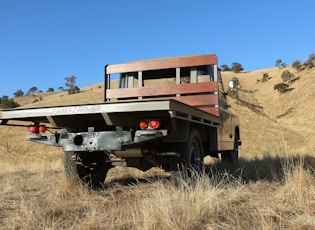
<point x="162" y="63"/>
<point x="212" y="110"/>
<point x="194" y="100"/>
<point x="202" y="87"/>
<point x="198" y="100"/>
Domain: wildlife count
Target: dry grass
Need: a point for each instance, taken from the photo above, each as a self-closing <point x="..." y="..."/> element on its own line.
<point x="273" y="193"/>
<point x="272" y="186"/>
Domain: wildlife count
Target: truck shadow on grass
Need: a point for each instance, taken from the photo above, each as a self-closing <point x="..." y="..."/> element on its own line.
<point x="269" y="168"/>
<point x="129" y="181"/>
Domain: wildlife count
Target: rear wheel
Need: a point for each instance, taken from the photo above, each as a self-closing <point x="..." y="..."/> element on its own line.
<point x="231" y="156"/>
<point x="90" y="168"/>
<point x="194" y="153"/>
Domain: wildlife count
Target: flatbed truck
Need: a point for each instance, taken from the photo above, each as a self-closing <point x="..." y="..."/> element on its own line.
<point x="166" y="112"/>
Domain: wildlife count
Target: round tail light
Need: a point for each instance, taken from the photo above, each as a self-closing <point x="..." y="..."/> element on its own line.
<point x="155" y="124"/>
<point x="143" y="125"/>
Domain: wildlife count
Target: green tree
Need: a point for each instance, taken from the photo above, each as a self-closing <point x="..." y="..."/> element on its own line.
<point x="236" y="67"/>
<point x="4" y="98"/>
<point x="32" y="90"/>
<point x="61" y="89"/>
<point x="278" y="63"/>
<point x="225" y="67"/>
<point x="50" y="90"/>
<point x="8" y="103"/>
<point x="70" y="84"/>
<point x="18" y="93"/>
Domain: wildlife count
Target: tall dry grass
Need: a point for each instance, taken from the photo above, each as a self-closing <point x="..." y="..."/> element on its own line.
<point x="267" y="193"/>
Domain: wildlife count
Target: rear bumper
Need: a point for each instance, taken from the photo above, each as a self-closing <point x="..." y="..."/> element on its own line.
<point x="96" y="141"/>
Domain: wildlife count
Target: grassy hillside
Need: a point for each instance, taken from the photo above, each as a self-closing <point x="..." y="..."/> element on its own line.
<point x="272" y="187"/>
<point x="274" y="121"/>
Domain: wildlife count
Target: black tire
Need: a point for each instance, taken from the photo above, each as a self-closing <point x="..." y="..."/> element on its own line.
<point x="194" y="153"/>
<point x="231" y="156"/>
<point x="91" y="169"/>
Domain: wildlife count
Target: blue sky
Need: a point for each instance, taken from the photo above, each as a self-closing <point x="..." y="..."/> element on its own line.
<point x="42" y="41"/>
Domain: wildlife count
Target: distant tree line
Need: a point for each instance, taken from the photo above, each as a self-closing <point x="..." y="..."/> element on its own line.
<point x="309" y="63"/>
<point x="298" y="65"/>
<point x="71" y="88"/>
<point x="236" y="67"/>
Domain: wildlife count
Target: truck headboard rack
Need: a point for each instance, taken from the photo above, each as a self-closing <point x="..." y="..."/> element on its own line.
<point x="201" y="95"/>
<point x="192" y="80"/>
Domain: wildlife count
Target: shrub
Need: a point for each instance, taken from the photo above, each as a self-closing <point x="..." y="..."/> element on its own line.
<point x="265" y="77"/>
<point x="297" y="65"/>
<point x="281" y="87"/>
<point x="74" y="90"/>
<point x="287" y="76"/>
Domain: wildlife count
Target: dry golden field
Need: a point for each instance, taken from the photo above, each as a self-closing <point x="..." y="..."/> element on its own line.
<point x="272" y="186"/>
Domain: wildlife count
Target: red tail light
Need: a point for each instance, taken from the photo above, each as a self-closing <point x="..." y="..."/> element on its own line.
<point x="33" y="129"/>
<point x="150" y="124"/>
<point x="37" y="128"/>
<point x="155" y="124"/>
